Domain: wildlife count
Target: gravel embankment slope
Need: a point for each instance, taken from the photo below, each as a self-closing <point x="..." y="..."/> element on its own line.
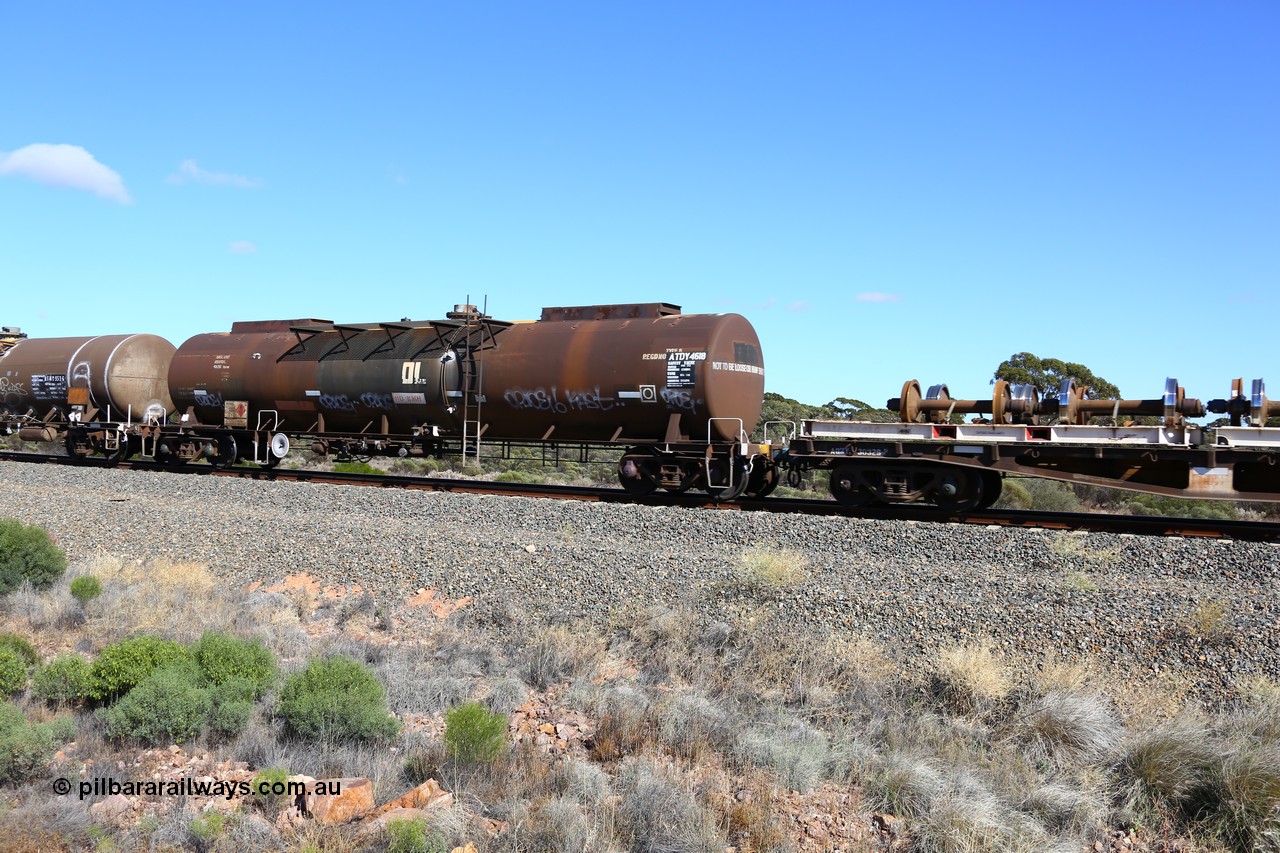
<point x="1121" y="600"/>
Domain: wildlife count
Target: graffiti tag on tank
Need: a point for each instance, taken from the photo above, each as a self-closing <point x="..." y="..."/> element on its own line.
<point x="343" y="403"/>
<point x="679" y="398"/>
<point x="555" y="400"/>
<point x="11" y="393"/>
<point x="337" y="402"/>
<point x="206" y="398"/>
<point x="377" y="401"/>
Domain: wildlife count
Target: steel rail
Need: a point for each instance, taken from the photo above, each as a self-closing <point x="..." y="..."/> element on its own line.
<point x="1256" y="531"/>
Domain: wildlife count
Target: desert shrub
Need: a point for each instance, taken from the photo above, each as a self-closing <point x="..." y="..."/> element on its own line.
<point x="20" y="646"/>
<point x="13" y="673"/>
<point x="335" y="699"/>
<point x="206" y="829"/>
<point x="27" y="554"/>
<point x="473" y="733"/>
<point x="25" y="747"/>
<point x="223" y="659"/>
<point x="124" y="664"/>
<point x="63" y="680"/>
<point x="412" y="835"/>
<point x="269" y="788"/>
<point x="232" y="706"/>
<point x="86" y="588"/>
<point x="168" y="706"/>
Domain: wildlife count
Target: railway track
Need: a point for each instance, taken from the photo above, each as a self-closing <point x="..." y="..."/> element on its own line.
<point x="1255" y="531"/>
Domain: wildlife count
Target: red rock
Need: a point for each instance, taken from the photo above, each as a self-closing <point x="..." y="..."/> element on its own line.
<point x="353" y="799"/>
<point x="426" y="796"/>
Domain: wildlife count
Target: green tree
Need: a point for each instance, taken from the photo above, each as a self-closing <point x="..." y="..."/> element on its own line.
<point x="1046" y="374"/>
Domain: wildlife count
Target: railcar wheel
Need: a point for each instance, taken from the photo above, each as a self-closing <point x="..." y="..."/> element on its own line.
<point x="225" y="447"/>
<point x="637" y="476"/>
<point x="165" y="454"/>
<point x="122" y="452"/>
<point x="849" y="486"/>
<point x="958" y="490"/>
<point x="992" y="486"/>
<point x="730" y="477"/>
<point x="764" y="478"/>
<point x="78" y="445"/>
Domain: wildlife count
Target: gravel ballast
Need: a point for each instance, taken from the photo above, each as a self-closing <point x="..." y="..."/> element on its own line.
<point x="1136" y="605"/>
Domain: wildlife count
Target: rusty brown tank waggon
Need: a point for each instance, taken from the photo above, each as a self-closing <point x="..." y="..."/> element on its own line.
<point x="91" y="383"/>
<point x="671" y="384"/>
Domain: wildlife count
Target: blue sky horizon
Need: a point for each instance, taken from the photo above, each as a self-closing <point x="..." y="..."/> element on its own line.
<point x="887" y="191"/>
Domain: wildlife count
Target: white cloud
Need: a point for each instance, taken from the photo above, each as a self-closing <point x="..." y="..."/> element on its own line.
<point x="65" y="166"/>
<point x="799" y="305"/>
<point x="189" y="172"/>
<point x="875" y="296"/>
<point x="242" y="247"/>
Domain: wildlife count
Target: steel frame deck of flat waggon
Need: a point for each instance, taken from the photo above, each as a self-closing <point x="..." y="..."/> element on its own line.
<point x="1229" y="463"/>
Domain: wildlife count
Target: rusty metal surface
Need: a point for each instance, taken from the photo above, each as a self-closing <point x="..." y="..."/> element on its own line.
<point x="649" y="378"/>
<point x="603" y="380"/>
<point x="120" y="373"/>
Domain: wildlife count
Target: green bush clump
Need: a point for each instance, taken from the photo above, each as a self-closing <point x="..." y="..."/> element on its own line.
<point x="232" y="706"/>
<point x="21" y="646"/>
<point x="13" y="673"/>
<point x="63" y="680"/>
<point x="86" y="588"/>
<point x="27" y="554"/>
<point x="269" y="788"/>
<point x="412" y="835"/>
<point x="26" y="747"/>
<point x="356" y="468"/>
<point x="473" y="733"/>
<point x="122" y="665"/>
<point x="223" y="659"/>
<point x="168" y="706"/>
<point x="335" y="699"/>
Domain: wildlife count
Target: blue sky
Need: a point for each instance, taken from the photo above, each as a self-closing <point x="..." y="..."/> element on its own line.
<point x="887" y="191"/>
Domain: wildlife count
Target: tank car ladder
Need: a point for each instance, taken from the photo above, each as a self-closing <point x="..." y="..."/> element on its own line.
<point x="475" y="332"/>
<point x="472" y="373"/>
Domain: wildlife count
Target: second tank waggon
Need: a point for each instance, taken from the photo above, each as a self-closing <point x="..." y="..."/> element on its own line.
<point x="670" y="384"/>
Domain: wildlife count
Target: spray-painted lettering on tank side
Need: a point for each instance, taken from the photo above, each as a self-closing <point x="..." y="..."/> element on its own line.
<point x="11" y="393"/>
<point x="337" y="402"/>
<point x="535" y="400"/>
<point x="679" y="398"/>
<point x="570" y="400"/>
<point x="588" y="400"/>
<point x="207" y="398"/>
<point x="377" y="401"/>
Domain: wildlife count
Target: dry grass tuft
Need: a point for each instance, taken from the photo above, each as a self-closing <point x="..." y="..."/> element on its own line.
<point x="767" y="570"/>
<point x="1068" y="727"/>
<point x="183" y="600"/>
<point x="969" y="678"/>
